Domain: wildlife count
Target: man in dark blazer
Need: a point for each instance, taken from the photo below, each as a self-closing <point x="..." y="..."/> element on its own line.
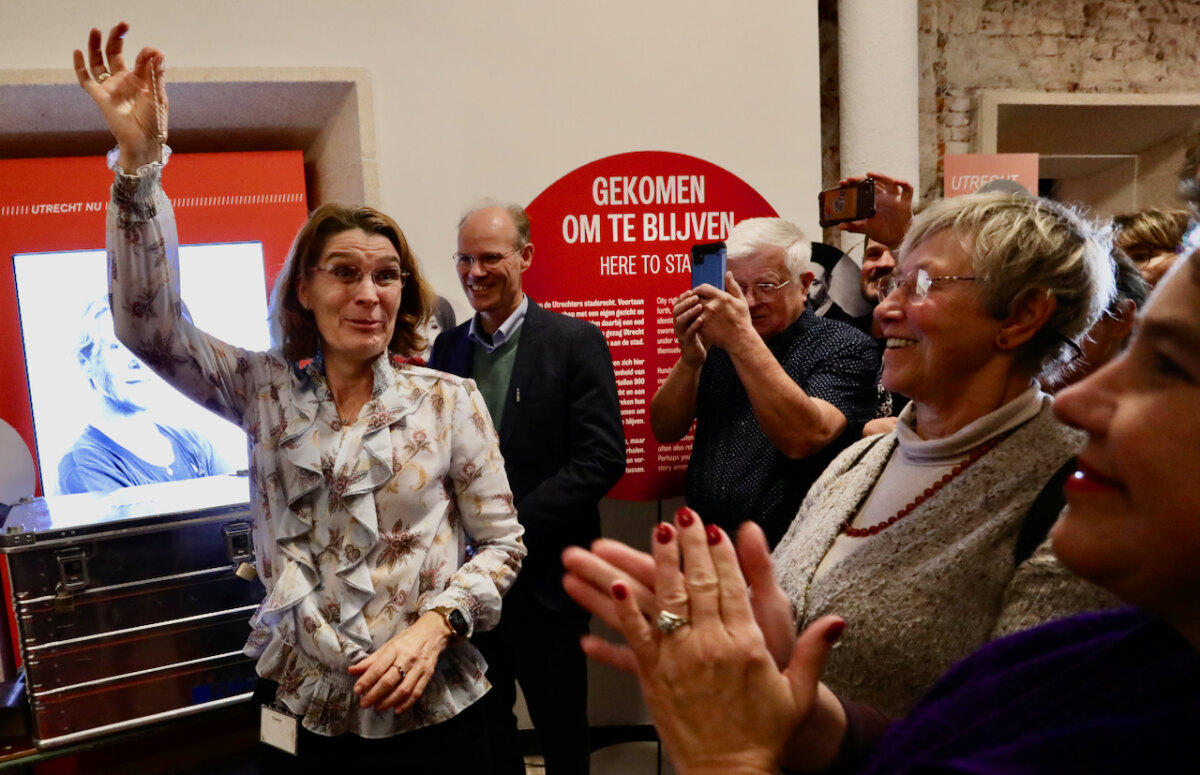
<point x="548" y="382"/>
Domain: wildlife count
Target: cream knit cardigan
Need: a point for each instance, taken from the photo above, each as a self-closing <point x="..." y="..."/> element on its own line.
<point x="929" y="590"/>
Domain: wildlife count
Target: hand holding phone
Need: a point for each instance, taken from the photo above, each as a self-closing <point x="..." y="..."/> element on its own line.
<point x="851" y="202"/>
<point x="708" y="265"/>
<point x="893" y="210"/>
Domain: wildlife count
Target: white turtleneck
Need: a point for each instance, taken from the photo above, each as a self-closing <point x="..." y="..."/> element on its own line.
<point x="921" y="462"/>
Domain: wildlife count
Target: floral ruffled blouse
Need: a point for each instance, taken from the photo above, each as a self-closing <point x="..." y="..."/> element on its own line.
<point x="358" y="529"/>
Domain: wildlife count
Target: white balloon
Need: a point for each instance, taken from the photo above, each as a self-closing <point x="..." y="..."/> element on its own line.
<point x="16" y="466"/>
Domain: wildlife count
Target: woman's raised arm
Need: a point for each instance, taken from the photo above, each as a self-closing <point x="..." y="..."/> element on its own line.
<point x="133" y="102"/>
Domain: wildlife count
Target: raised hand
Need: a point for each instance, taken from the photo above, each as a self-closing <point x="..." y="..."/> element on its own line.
<point x="688" y="316"/>
<point x="772" y="609"/>
<point x="718" y="699"/>
<point x="726" y="315"/>
<point x="589" y="579"/>
<point x="590" y="575"/>
<point x="893" y="209"/>
<point x="133" y="102"/>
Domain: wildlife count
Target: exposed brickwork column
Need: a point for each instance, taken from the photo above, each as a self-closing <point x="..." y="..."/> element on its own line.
<point x="1106" y="46"/>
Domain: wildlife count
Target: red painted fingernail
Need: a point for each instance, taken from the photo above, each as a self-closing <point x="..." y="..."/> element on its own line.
<point x="713" y="533"/>
<point x="834" y="633"/>
<point x="663" y="533"/>
<point x="619" y="591"/>
<point x="684" y="517"/>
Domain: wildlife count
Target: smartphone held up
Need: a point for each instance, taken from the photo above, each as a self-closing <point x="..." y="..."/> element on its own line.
<point x="708" y="265"/>
<point x="843" y="204"/>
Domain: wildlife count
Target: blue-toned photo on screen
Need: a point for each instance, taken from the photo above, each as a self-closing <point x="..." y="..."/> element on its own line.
<point x="102" y="419"/>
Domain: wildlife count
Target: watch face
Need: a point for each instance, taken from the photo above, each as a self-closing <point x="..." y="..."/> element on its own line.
<point x="458" y="622"/>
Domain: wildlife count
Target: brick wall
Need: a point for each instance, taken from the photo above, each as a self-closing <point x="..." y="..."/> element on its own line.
<point x="1139" y="46"/>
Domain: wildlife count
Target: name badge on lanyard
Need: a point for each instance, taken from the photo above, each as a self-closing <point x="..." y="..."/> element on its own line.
<point x="278" y="730"/>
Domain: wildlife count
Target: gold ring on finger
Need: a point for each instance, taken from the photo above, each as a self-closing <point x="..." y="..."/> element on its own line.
<point x="103" y="77"/>
<point x="668" y="622"/>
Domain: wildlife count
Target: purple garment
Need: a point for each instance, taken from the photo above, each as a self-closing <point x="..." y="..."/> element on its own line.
<point x="1110" y="692"/>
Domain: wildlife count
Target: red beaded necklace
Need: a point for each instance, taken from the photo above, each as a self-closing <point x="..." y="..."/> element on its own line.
<point x="930" y="491"/>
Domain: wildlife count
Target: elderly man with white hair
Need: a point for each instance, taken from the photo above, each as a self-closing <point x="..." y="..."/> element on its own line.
<point x="770" y="385"/>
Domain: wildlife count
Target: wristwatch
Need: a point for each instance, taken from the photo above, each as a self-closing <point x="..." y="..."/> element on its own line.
<point x="455" y="621"/>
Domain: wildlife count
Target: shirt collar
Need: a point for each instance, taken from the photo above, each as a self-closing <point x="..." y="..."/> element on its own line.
<point x="504" y="332"/>
<point x="1012" y="415"/>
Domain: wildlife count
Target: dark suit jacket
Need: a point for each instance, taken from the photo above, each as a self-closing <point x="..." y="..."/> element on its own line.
<point x="561" y="437"/>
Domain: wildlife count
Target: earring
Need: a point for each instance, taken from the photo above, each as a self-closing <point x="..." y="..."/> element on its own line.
<point x="1002" y="341"/>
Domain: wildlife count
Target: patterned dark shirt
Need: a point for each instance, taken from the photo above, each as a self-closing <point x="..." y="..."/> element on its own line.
<point x="735" y="473"/>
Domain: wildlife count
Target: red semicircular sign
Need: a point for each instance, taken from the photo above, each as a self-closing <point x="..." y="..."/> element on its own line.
<point x="612" y="246"/>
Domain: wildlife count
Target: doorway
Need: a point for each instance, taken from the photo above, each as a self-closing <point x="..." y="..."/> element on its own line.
<point x="1113" y="153"/>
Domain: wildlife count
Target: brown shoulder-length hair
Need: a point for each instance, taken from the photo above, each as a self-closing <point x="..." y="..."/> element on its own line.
<point x="294" y="329"/>
<point x="1159" y="229"/>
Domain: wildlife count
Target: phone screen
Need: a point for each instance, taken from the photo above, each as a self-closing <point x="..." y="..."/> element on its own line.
<point x="708" y="264"/>
<point x="847" y="203"/>
<point x="839" y="204"/>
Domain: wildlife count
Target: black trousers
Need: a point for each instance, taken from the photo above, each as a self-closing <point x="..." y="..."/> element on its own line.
<point x="459" y="745"/>
<point x="538" y="648"/>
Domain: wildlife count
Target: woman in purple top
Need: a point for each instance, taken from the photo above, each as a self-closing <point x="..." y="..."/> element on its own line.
<point x="1117" y="691"/>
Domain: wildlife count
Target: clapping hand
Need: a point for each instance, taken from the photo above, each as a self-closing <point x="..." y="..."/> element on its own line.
<point x="590" y="575"/>
<point x="719" y="700"/>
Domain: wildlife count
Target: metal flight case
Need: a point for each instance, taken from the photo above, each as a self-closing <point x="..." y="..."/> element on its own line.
<point x="127" y="607"/>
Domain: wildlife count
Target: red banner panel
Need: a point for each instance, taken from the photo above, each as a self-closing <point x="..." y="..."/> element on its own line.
<point x="52" y="212"/>
<point x="613" y="243"/>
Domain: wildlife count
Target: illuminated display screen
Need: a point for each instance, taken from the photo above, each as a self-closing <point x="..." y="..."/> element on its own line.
<point x="101" y="418"/>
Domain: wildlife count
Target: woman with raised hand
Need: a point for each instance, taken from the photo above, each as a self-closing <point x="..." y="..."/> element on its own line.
<point x="384" y="527"/>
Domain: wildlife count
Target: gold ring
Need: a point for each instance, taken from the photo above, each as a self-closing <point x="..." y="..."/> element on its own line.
<point x="668" y="622"/>
<point x="103" y="77"/>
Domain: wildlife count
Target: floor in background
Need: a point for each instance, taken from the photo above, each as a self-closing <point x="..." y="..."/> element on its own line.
<point x="622" y="759"/>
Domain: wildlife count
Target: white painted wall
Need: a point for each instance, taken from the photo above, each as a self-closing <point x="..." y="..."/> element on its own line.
<point x="476" y="98"/>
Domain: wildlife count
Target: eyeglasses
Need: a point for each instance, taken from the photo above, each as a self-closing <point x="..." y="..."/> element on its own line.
<point x="916" y="284"/>
<point x="762" y="291"/>
<point x="1076" y="350"/>
<point x="350" y="275"/>
<point x="465" y="260"/>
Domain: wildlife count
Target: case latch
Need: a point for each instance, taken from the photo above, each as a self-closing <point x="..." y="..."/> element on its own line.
<point x="72" y="569"/>
<point x="239" y="543"/>
<point x="73" y="576"/>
